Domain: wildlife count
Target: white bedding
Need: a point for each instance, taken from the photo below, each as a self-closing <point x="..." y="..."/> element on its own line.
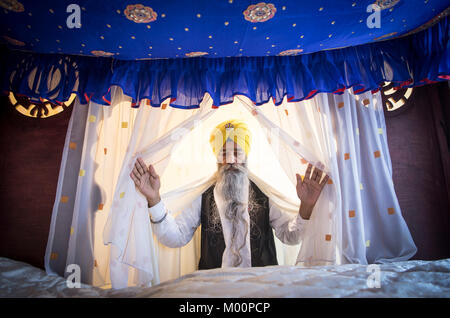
<point x="401" y="279"/>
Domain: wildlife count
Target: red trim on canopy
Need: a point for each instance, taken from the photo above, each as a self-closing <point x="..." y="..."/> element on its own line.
<point x="106" y="101"/>
<point x="359" y="90"/>
<point x="340" y="90"/>
<point x="88" y="98"/>
<point x="311" y="93"/>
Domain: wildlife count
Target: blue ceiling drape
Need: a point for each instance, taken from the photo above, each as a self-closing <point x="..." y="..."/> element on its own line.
<point x="147" y="29"/>
<point x="412" y="60"/>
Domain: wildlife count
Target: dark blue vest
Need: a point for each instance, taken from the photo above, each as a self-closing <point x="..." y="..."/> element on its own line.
<point x="262" y="243"/>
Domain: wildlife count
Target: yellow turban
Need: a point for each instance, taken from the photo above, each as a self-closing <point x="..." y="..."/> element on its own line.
<point x="234" y="130"/>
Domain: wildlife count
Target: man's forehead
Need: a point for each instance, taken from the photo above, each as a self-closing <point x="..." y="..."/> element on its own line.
<point x="230" y="144"/>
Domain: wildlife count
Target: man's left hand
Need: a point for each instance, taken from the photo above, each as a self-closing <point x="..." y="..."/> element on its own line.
<point x="309" y="189"/>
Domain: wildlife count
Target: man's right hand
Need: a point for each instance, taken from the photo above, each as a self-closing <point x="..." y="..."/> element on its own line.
<point x="147" y="181"/>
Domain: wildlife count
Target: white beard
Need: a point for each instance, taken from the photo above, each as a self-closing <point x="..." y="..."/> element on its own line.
<point x="232" y="187"/>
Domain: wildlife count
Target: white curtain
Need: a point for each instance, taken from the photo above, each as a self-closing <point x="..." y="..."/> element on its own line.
<point x="100" y="221"/>
<point x="358" y="212"/>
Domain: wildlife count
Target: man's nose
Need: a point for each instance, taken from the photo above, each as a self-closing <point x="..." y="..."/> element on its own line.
<point x="230" y="157"/>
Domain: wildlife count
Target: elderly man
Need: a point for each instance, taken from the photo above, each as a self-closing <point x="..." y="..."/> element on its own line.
<point x="237" y="218"/>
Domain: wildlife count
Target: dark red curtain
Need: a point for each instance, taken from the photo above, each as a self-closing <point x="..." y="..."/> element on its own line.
<point x="31" y="151"/>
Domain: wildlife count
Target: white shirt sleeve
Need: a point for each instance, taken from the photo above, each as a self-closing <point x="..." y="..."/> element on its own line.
<point x="288" y="228"/>
<point x="175" y="231"/>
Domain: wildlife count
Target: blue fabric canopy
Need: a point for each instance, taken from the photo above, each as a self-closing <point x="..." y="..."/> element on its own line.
<point x="415" y="59"/>
<point x="137" y="29"/>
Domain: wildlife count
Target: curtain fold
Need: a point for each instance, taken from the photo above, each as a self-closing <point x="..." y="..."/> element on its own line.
<point x="412" y="60"/>
<point x="357" y="218"/>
